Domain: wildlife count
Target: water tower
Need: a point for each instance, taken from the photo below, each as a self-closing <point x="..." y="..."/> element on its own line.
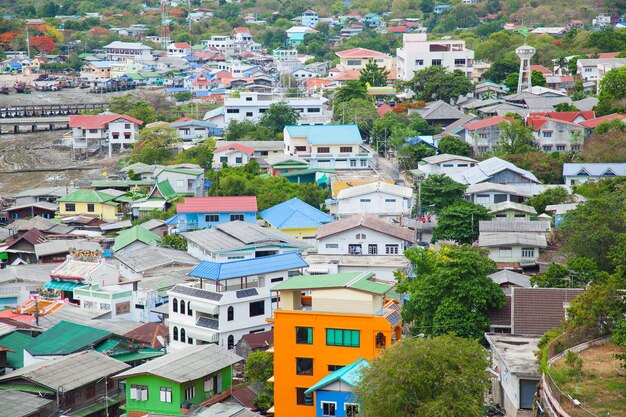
<point x="525" y="53"/>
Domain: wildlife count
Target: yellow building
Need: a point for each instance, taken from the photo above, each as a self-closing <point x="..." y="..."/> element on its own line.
<point x="89" y="202"/>
<point x="323" y="323"/>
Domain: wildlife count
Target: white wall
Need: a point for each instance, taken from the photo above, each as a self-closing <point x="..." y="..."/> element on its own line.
<point x="344" y="239"/>
<point x="376" y="203"/>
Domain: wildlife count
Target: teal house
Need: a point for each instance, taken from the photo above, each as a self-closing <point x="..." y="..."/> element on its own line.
<point x="171" y="384"/>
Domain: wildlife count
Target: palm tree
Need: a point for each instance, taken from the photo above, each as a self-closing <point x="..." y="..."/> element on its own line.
<point x="561" y="65"/>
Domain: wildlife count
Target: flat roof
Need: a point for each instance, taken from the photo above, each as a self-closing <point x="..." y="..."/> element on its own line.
<point x="517" y="352"/>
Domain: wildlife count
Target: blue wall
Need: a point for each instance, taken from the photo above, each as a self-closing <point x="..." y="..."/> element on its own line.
<point x="330" y="396"/>
<point x="198" y="219"/>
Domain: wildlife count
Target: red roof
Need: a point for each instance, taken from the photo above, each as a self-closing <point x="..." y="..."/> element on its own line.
<point x="235" y="146"/>
<point x="217" y="204"/>
<point x="182" y="45"/>
<point x="398" y="29"/>
<point x="360" y="53"/>
<point x="575" y="22"/>
<point x="593" y="123"/>
<point x="479" y="124"/>
<point x="241" y="30"/>
<point x="383" y="109"/>
<point x="148" y="333"/>
<point x="541" y="69"/>
<point x="606" y="55"/>
<point x="567" y="116"/>
<point x="537" y="122"/>
<point x="98" y="121"/>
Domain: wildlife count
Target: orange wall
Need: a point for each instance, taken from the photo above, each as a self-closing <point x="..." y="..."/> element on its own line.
<point x="286" y="351"/>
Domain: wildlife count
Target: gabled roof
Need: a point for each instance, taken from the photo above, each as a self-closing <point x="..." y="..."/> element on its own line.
<point x="187" y="364"/>
<point x="567" y="116"/>
<point x="481" y="124"/>
<point x="520" y="226"/>
<point x="148" y="333"/>
<point x="70" y="372"/>
<point x="21" y="404"/>
<point x="151" y="257"/>
<point x="375" y="187"/>
<point x="234" y="147"/>
<point x="510" y="205"/>
<point x="537" y="122"/>
<point x="295" y="213"/>
<point x="217" y="204"/>
<point x="439" y="110"/>
<point x="185" y="171"/>
<point x="16" y="342"/>
<point x="136" y="233"/>
<point x="286" y="160"/>
<point x="593" y="123"/>
<point x="490" y="186"/>
<point x="509" y="277"/>
<point x="246" y="267"/>
<point x="512" y="239"/>
<point x="445" y="157"/>
<point x="165" y="189"/>
<point x="33" y="236"/>
<point x="327" y="134"/>
<point x="65" y="338"/>
<point x="44" y="205"/>
<point x="87" y="196"/>
<point x="99" y="121"/>
<point x="485" y="170"/>
<point x="36" y="222"/>
<point x="349" y="374"/>
<point x="353" y="280"/>
<point x="360" y="53"/>
<point x="594" y="169"/>
<point x="367" y="221"/>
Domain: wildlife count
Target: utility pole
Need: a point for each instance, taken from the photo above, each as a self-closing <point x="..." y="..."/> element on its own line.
<point x="27" y="41"/>
<point x="419" y="180"/>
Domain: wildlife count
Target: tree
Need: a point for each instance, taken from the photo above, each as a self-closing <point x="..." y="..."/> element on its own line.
<point x="410" y="155"/>
<point x="278" y="116"/>
<point x="259" y="366"/>
<point x="554" y="195"/>
<point x="605" y="147"/>
<point x="440" y="373"/>
<point x="358" y="111"/>
<point x="614" y="125"/>
<point x="511" y="80"/>
<point x="43" y="44"/>
<point x="200" y="154"/>
<point x="373" y="75"/>
<point x="174" y="242"/>
<point x="133" y="107"/>
<point x="501" y="68"/>
<point x="451" y="292"/>
<point x="436" y="83"/>
<point x="577" y="273"/>
<point x="154" y="145"/>
<point x="229" y="12"/>
<point x="352" y="90"/>
<point x="384" y="127"/>
<point x="441" y="191"/>
<point x="564" y="107"/>
<point x="459" y="222"/>
<point x="247" y="130"/>
<point x="537" y="79"/>
<point x="183" y="96"/>
<point x="454" y="146"/>
<point x="515" y="137"/>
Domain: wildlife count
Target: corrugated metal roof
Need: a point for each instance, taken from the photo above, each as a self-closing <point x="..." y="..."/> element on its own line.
<point x="53" y="247"/>
<point x="247" y="267"/>
<point x="512" y="239"/>
<point x="87" y="196"/>
<point x="356" y="280"/>
<point x="367" y="221"/>
<point x="295" y="213"/>
<point x="509" y="277"/>
<point x="523" y="226"/>
<point x="327" y="134"/>
<point x="16" y="342"/>
<point x="217" y="204"/>
<point x="21" y="404"/>
<point x="594" y="169"/>
<point x="136" y="233"/>
<point x="490" y="186"/>
<point x="196" y="292"/>
<point x="510" y="205"/>
<point x="375" y="187"/>
<point x="65" y="338"/>
<point x="187" y="364"/>
<point x="350" y="374"/>
<point x="151" y="257"/>
<point x="485" y="170"/>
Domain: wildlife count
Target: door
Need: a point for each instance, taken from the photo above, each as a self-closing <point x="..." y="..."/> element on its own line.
<point x="527" y="389"/>
<point x="219" y="383"/>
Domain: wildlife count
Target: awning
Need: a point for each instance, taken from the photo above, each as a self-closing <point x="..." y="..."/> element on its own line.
<point x="63" y="285"/>
<point x="206" y="335"/>
<point x="137" y="356"/>
<point x="317" y="271"/>
<point x="205" y="307"/>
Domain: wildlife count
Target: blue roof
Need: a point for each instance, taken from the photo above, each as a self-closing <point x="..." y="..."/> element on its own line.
<point x="246" y="267"/>
<point x="15" y="65"/>
<point x="427" y="140"/>
<point x="295" y="213"/>
<point x="327" y="134"/>
<point x="193" y="123"/>
<point x="350" y="374"/>
<point x="101" y="64"/>
<point x="176" y="89"/>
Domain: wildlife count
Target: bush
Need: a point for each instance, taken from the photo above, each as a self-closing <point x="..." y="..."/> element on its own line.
<point x="263" y="401"/>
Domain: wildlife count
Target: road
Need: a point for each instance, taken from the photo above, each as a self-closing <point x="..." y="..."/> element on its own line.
<point x="383" y="166"/>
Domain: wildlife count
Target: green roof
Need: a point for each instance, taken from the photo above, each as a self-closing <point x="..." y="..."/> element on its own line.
<point x="166" y="190"/>
<point x="137" y="356"/>
<point x="63" y="285"/>
<point x="87" y="196"/>
<point x="350" y="374"/>
<point x="65" y="338"/>
<point x="16" y="342"/>
<point x="290" y="163"/>
<point x="356" y="280"/>
<point x="135" y="233"/>
<point x="184" y="171"/>
<point x="108" y="345"/>
<point x="98" y="406"/>
<point x="307" y="171"/>
<point x="121" y="183"/>
<point x="26" y="388"/>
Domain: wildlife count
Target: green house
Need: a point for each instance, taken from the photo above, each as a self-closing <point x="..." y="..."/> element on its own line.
<point x="173" y="383"/>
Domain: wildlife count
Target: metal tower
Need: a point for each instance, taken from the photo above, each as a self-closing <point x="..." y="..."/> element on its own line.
<point x="165" y="25"/>
<point x="525" y="53"/>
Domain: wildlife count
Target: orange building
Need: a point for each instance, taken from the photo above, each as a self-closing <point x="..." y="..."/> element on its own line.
<point x="322" y="323"/>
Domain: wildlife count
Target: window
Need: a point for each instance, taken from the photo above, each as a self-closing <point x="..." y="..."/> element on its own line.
<point x="449" y="165"/>
<point x="528" y="253"/>
<point x="230" y="313"/>
<point x="190" y="392"/>
<point x="139" y="392"/>
<point x="333" y="368"/>
<point x="459" y="62"/>
<point x="363" y="162"/>
<point x="340" y="337"/>
<point x="482" y="135"/>
<point x="304" y="366"/>
<point x="352" y="163"/>
<point x="547" y="148"/>
<point x="91" y="208"/>
<point x="279" y="279"/>
<point x="93" y="130"/>
<point x="232" y="110"/>
<point x="391" y="249"/>
<point x="238" y="160"/>
<point x="180" y="183"/>
<point x="354" y="62"/>
<point x="300" y="148"/>
<point x="257" y="308"/>
<point x="361" y="236"/>
<point x="231" y="342"/>
<point x="328" y="408"/>
<point x="127" y="126"/>
<point x="189" y="311"/>
<point x="314" y="110"/>
<point x="345" y="149"/>
<point x="166" y="395"/>
<point x="175" y="333"/>
<point x="175" y="305"/>
<point x="372" y="249"/>
<point x="182" y="307"/>
<point x="248" y="98"/>
<point x="323" y="149"/>
<point x="365" y="200"/>
<point x="211" y="218"/>
<point x="352" y="410"/>
<point x="248" y="114"/>
<point x="183" y="335"/>
<point x="390" y="200"/>
<point x="436" y="63"/>
<point x="223" y="159"/>
<point x="302" y="398"/>
<point x="547" y="133"/>
<point x="235" y="217"/>
<point x="560" y="147"/>
<point x="70" y="207"/>
<point x="304" y="335"/>
<point x="332" y="246"/>
<point x="419" y="62"/>
<point x="575" y="147"/>
<point x="506" y="252"/>
<point x="381" y="341"/>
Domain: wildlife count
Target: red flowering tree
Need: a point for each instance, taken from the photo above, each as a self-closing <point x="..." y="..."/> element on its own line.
<point x="6" y="39"/>
<point x="43" y="44"/>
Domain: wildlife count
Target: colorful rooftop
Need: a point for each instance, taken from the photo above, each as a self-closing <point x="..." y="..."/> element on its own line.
<point x="247" y="267"/>
<point x="295" y="214"/>
<point x="354" y="280"/>
<point x="134" y="234"/>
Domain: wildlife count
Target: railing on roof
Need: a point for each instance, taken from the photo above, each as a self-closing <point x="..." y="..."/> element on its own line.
<point x="552" y="398"/>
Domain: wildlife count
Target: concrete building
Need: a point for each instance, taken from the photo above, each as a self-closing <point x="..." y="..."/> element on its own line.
<point x="189" y="181"/>
<point x="310" y="18"/>
<point x="179" y="49"/>
<point x="417" y="53"/>
<point x="488" y="193"/>
<point x="357" y="58"/>
<point x="378" y="198"/>
<point x="123" y="51"/>
<point x="580" y="173"/>
<point x="594" y="69"/>
<point x="112" y="131"/>
<point x="232" y="300"/>
<point x="232" y="154"/>
<point x="445" y="164"/>
<point x="556" y="135"/>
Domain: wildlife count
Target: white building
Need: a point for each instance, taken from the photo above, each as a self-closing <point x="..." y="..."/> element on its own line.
<point x="446" y="164"/>
<point x="310" y="18"/>
<point x="240" y="240"/>
<point x="182" y="179"/>
<point x="221" y="42"/>
<point x="379" y="198"/>
<point x="232" y="299"/>
<point x="179" y="49"/>
<point x="488" y="193"/>
<point x="357" y="58"/>
<point x="90" y="133"/>
<point x="365" y="234"/>
<point x="122" y="51"/>
<point x="234" y="155"/>
<point x="418" y="52"/>
<point x="590" y="69"/>
<point x="18" y="282"/>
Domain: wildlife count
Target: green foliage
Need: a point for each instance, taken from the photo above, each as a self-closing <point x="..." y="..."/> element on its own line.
<point x="384" y="128"/>
<point x="247" y="130"/>
<point x="457" y="365"/>
<point x="200" y="154"/>
<point x="278" y="116"/>
<point x="563" y="107"/>
<point x="515" y="138"/>
<point x="174" y="242"/>
<point x="183" y="96"/>
<point x="459" y="222"/>
<point x="154" y="145"/>
<point x="373" y="75"/>
<point x="451" y="292"/>
<point x="228" y="11"/>
<point x="614" y="125"/>
<point x="553" y="195"/>
<point x="410" y="155"/>
<point x="607" y="40"/>
<point x="501" y="68"/>
<point x="537" y="79"/>
<point x="263" y="401"/>
<point x="259" y="366"/>
<point x="358" y="111"/>
<point x="133" y="107"/>
<point x="511" y="80"/>
<point x="575" y="363"/>
<point x="578" y="272"/>
<point x="612" y="89"/>
<point x="436" y="83"/>
<point x="547" y="167"/>
<point x="352" y="90"/>
<point x="440" y="192"/>
<point x="454" y="146"/>
<point x="600" y="307"/>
